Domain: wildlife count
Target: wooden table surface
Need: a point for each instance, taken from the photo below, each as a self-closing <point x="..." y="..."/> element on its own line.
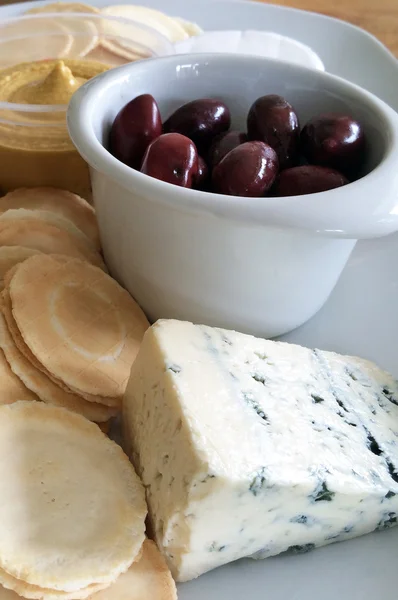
<point x="380" y="17"/>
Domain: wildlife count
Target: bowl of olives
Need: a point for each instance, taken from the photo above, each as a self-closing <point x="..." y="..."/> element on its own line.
<point x="231" y="190"/>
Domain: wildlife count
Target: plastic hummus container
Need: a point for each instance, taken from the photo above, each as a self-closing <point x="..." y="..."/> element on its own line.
<point x="44" y="59"/>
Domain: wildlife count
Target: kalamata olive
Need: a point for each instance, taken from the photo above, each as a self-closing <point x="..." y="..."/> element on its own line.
<point x="307" y="179"/>
<point x="202" y="176"/>
<point x="248" y="170"/>
<point x="173" y="158"/>
<point x="224" y="143"/>
<point x="272" y="120"/>
<point x="200" y="120"/>
<point x="335" y="141"/>
<point x="134" y="128"/>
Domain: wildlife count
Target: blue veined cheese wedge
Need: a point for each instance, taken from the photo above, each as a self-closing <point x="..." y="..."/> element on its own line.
<point x="249" y="447"/>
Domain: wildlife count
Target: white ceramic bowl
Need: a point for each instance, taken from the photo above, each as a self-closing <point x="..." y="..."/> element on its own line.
<point x="262" y="265"/>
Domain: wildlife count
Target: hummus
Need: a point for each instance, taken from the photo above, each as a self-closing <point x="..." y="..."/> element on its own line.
<point x="35" y="149"/>
<point x="57" y="87"/>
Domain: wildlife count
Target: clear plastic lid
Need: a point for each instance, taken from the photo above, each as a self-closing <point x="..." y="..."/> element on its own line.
<point x="44" y="57"/>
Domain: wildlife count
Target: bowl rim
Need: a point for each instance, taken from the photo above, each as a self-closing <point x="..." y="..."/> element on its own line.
<point x="80" y="16"/>
<point x="332" y="213"/>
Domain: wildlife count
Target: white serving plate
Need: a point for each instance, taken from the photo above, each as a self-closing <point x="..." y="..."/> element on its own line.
<point x="361" y="316"/>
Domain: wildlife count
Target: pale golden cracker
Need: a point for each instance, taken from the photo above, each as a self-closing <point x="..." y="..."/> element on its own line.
<point x="114" y="404"/>
<point x="103" y="55"/>
<point x="15" y="588"/>
<point x="190" y="28"/>
<point x="150" y="17"/>
<point x="109" y="407"/>
<point x="126" y="40"/>
<point x="126" y="54"/>
<point x="147" y="579"/>
<point x="43" y="388"/>
<point x="46" y="238"/>
<point x="16" y="334"/>
<point x="69" y="205"/>
<point x="54" y="7"/>
<point x="73" y="511"/>
<point x="79" y="323"/>
<point x="83" y="32"/>
<point x="5" y="300"/>
<point x="49" y="217"/>
<point x="19" y="42"/>
<point x="18" y="588"/>
<point x="6" y="307"/>
<point x="13" y="255"/>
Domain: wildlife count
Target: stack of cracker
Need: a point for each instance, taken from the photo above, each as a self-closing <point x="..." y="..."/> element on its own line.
<point x="69" y="333"/>
<point x="112" y="41"/>
<point x="50" y="221"/>
<point x="72" y="513"/>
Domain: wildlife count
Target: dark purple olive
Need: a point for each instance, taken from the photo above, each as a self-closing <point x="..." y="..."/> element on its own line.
<point x="307" y="179"/>
<point x="224" y="143"/>
<point x="134" y="128"/>
<point x="202" y="176"/>
<point x="273" y="120"/>
<point x="200" y="120"/>
<point x="173" y="158"/>
<point x="248" y="170"/>
<point x="335" y="141"/>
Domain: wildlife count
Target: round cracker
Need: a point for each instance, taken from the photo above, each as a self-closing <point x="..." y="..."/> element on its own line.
<point x="11" y="387"/>
<point x="191" y="29"/>
<point x="47" y="238"/>
<point x="20" y="588"/>
<point x="49" y="217"/>
<point x="41" y="386"/>
<point x="69" y="205"/>
<point x="106" y="56"/>
<point x="13" y="255"/>
<point x="112" y="403"/>
<point x="47" y="387"/>
<point x="147" y="579"/>
<point x="84" y="31"/>
<point x="22" y="40"/>
<point x="79" y="323"/>
<point x="113" y="47"/>
<point x="73" y="511"/>
<point x="165" y="25"/>
<point x="54" y="7"/>
<point x="129" y="42"/>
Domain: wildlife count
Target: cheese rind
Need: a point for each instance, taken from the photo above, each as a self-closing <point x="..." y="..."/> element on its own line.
<point x="249" y="447"/>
